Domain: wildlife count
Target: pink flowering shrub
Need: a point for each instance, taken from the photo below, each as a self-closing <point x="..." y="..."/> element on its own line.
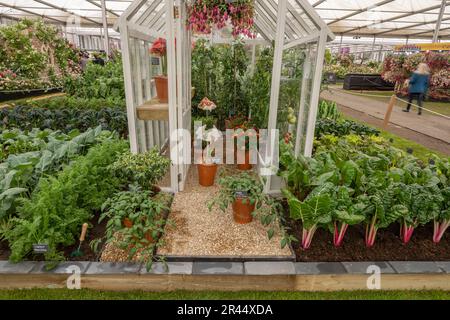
<point x="398" y="68"/>
<point x="205" y="14"/>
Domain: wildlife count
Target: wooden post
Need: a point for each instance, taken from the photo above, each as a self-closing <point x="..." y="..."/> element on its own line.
<point x="387" y="117"/>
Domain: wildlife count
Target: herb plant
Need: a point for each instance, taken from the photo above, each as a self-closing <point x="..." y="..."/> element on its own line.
<point x="144" y="169"/>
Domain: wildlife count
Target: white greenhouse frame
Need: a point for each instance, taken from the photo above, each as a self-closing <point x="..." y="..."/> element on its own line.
<point x="284" y="23"/>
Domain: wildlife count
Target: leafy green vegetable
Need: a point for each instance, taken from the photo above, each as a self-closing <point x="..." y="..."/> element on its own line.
<point x="61" y="204"/>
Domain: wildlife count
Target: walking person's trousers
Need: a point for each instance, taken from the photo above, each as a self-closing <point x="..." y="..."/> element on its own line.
<point x="420" y="97"/>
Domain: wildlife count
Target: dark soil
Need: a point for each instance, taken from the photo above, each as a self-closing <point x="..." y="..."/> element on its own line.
<point x="388" y="245"/>
<point x="95" y="231"/>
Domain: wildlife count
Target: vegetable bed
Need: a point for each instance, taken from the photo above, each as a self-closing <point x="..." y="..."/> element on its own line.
<point x="388" y="246"/>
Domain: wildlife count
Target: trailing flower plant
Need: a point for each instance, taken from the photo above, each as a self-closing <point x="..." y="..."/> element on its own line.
<point x="204" y="15"/>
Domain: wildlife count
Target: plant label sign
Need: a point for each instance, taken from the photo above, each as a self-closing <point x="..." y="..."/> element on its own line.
<point x="241" y="194"/>
<point x="40" y="248"/>
<point x="216" y="160"/>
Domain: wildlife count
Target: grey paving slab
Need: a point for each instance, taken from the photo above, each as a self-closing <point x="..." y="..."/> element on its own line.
<point x="269" y="267"/>
<point x="168" y="268"/>
<point x="319" y="268"/>
<point x="218" y="268"/>
<point x="415" y="266"/>
<point x="21" y="267"/>
<point x="363" y="267"/>
<point x="444" y="266"/>
<point x="67" y="267"/>
<point x="113" y="268"/>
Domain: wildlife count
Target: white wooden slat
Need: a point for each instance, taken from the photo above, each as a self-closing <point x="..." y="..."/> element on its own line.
<point x="315" y="94"/>
<point x="131" y="107"/>
<point x="276" y="78"/>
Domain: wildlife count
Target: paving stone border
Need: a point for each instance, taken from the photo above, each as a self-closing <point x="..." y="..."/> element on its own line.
<point x="229" y="268"/>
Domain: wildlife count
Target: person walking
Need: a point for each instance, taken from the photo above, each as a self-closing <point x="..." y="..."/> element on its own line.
<point x="418" y="86"/>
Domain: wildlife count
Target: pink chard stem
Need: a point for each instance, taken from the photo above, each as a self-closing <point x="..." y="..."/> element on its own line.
<point x="339" y="234"/>
<point x="439" y="230"/>
<point x="406" y="232"/>
<point x="371" y="232"/>
<point x="307" y="236"/>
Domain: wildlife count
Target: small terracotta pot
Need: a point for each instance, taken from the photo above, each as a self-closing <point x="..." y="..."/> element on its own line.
<point x="242" y="213"/>
<point x="206" y="174"/>
<point x="161" y="83"/>
<point x="246" y="165"/>
<point x="156" y="190"/>
<point x="127" y="223"/>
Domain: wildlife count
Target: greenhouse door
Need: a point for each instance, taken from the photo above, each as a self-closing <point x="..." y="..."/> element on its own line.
<point x="183" y="57"/>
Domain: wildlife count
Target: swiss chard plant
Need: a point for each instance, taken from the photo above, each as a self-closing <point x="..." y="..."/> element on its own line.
<point x="313" y="212"/>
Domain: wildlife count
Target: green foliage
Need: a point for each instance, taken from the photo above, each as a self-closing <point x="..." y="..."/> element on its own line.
<point x="61" y="204"/>
<point x="218" y="73"/>
<point x="64" y="119"/>
<point x="144" y="169"/>
<point x="207" y="121"/>
<point x="98" y="81"/>
<point x="328" y="110"/>
<point x="16" y="141"/>
<point x="362" y="178"/>
<point x="20" y="173"/>
<point x="258" y="88"/>
<point x="339" y="128"/>
<point x="71" y="102"/>
<point x="34" y="55"/>
<point x="144" y="212"/>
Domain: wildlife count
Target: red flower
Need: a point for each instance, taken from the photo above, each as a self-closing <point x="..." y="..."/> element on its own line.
<point x="159" y="47"/>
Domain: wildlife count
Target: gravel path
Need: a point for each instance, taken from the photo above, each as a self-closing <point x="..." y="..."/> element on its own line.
<point x="199" y="232"/>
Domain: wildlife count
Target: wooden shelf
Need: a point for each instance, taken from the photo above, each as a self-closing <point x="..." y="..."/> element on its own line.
<point x="153" y="110"/>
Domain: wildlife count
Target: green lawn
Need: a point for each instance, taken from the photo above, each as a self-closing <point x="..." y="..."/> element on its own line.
<point x="215" y="295"/>
<point x="419" y="150"/>
<point x="383" y="96"/>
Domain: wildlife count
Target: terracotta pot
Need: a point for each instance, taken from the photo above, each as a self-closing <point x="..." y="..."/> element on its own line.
<point x="242" y="213"/>
<point x="206" y="174"/>
<point x="246" y="165"/>
<point x="161" y="83"/>
<point x="156" y="190"/>
<point x="127" y="223"/>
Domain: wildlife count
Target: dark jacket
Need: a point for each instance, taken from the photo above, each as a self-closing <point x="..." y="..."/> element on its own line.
<point x="419" y="83"/>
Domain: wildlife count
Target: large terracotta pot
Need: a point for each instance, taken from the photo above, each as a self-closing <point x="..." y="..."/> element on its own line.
<point x="246" y="165"/>
<point x="161" y="84"/>
<point x="206" y="174"/>
<point x="242" y="212"/>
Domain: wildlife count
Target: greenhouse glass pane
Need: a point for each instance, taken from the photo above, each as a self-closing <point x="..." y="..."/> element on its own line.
<point x="295" y="91"/>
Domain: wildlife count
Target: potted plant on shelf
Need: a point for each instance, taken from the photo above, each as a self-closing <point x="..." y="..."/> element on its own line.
<point x="159" y="49"/>
<point x="143" y="169"/>
<point x="244" y="192"/>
